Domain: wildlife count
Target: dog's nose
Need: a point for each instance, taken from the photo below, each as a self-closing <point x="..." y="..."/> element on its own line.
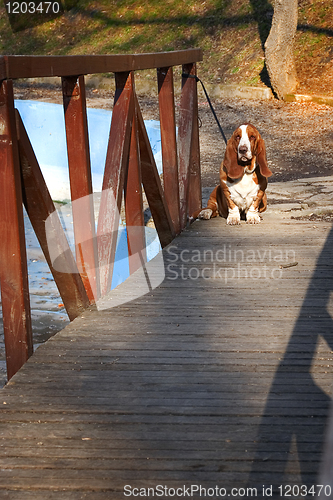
<point x="243" y="149"/>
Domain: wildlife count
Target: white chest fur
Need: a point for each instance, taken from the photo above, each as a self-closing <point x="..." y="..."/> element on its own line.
<point x="243" y="191"/>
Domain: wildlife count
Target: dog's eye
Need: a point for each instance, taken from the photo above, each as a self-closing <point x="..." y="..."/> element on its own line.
<point x="252" y="138"/>
<point x="238" y="137"/>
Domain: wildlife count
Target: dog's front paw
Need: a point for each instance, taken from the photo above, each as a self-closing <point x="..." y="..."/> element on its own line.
<point x="252" y="216"/>
<point x="206" y="213"/>
<point x="233" y="217"/>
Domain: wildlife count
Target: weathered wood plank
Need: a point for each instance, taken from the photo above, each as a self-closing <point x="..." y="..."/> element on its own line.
<point x="138" y="464"/>
<point x="42" y="494"/>
<point x="119" y="451"/>
<point x="157" y="448"/>
<point x="91" y="480"/>
<point x="43" y="66"/>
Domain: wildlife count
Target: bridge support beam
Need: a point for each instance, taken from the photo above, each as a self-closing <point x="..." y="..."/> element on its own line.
<point x="81" y="183"/>
<point x="13" y="258"/>
<point x="188" y="141"/>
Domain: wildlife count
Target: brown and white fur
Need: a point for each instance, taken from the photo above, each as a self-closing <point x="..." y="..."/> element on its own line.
<point x="243" y="179"/>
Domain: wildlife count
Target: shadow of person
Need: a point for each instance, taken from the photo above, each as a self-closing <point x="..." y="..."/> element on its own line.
<point x="291" y="431"/>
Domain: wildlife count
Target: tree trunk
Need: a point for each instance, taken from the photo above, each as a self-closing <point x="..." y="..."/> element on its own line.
<point x="279" y="53"/>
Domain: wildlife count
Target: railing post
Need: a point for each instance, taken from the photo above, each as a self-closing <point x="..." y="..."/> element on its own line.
<point x="13" y="259"/>
<point x="113" y="181"/>
<point x="81" y="183"/>
<point x="188" y="140"/>
<point x="169" y="142"/>
<point x="195" y="188"/>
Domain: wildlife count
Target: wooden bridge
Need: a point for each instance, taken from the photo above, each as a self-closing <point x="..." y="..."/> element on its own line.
<point x="216" y="383"/>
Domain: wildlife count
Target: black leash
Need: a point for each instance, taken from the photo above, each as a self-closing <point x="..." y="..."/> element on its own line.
<point x="208" y="100"/>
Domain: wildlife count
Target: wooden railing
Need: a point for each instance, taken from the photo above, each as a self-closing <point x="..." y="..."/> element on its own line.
<point x="129" y="165"/>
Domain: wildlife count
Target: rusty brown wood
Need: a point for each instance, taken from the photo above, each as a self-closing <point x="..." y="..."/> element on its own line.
<point x="3" y="73"/>
<point x="43" y="66"/>
<point x="133" y="205"/>
<point x="48" y="229"/>
<point x="185" y="138"/>
<point x="152" y="185"/>
<point x="13" y="260"/>
<point x="113" y="182"/>
<point x="81" y="183"/>
<point x="195" y="189"/>
<point x="125" y="152"/>
<point x="169" y="142"/>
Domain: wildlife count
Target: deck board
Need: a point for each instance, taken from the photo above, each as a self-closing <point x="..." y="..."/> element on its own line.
<point x="213" y="381"/>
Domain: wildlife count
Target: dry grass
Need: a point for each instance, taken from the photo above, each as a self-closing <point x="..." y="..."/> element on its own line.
<point x="231" y="33"/>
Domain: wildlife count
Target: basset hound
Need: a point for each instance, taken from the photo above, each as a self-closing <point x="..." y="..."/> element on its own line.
<point x="243" y="179"/>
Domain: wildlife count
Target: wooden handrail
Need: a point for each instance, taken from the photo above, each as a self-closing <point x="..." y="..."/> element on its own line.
<point x="129" y="165"/>
<point x="46" y="66"/>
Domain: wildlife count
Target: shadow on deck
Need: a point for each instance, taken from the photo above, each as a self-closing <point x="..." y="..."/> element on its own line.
<point x="220" y="378"/>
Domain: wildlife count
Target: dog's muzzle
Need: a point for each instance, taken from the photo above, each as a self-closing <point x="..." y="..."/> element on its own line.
<point x="244" y="154"/>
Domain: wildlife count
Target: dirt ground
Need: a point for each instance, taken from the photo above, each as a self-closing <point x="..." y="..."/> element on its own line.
<point x="298" y="136"/>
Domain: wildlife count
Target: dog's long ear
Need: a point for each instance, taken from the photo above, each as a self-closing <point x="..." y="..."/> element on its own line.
<point x="261" y="158"/>
<point x="234" y="170"/>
